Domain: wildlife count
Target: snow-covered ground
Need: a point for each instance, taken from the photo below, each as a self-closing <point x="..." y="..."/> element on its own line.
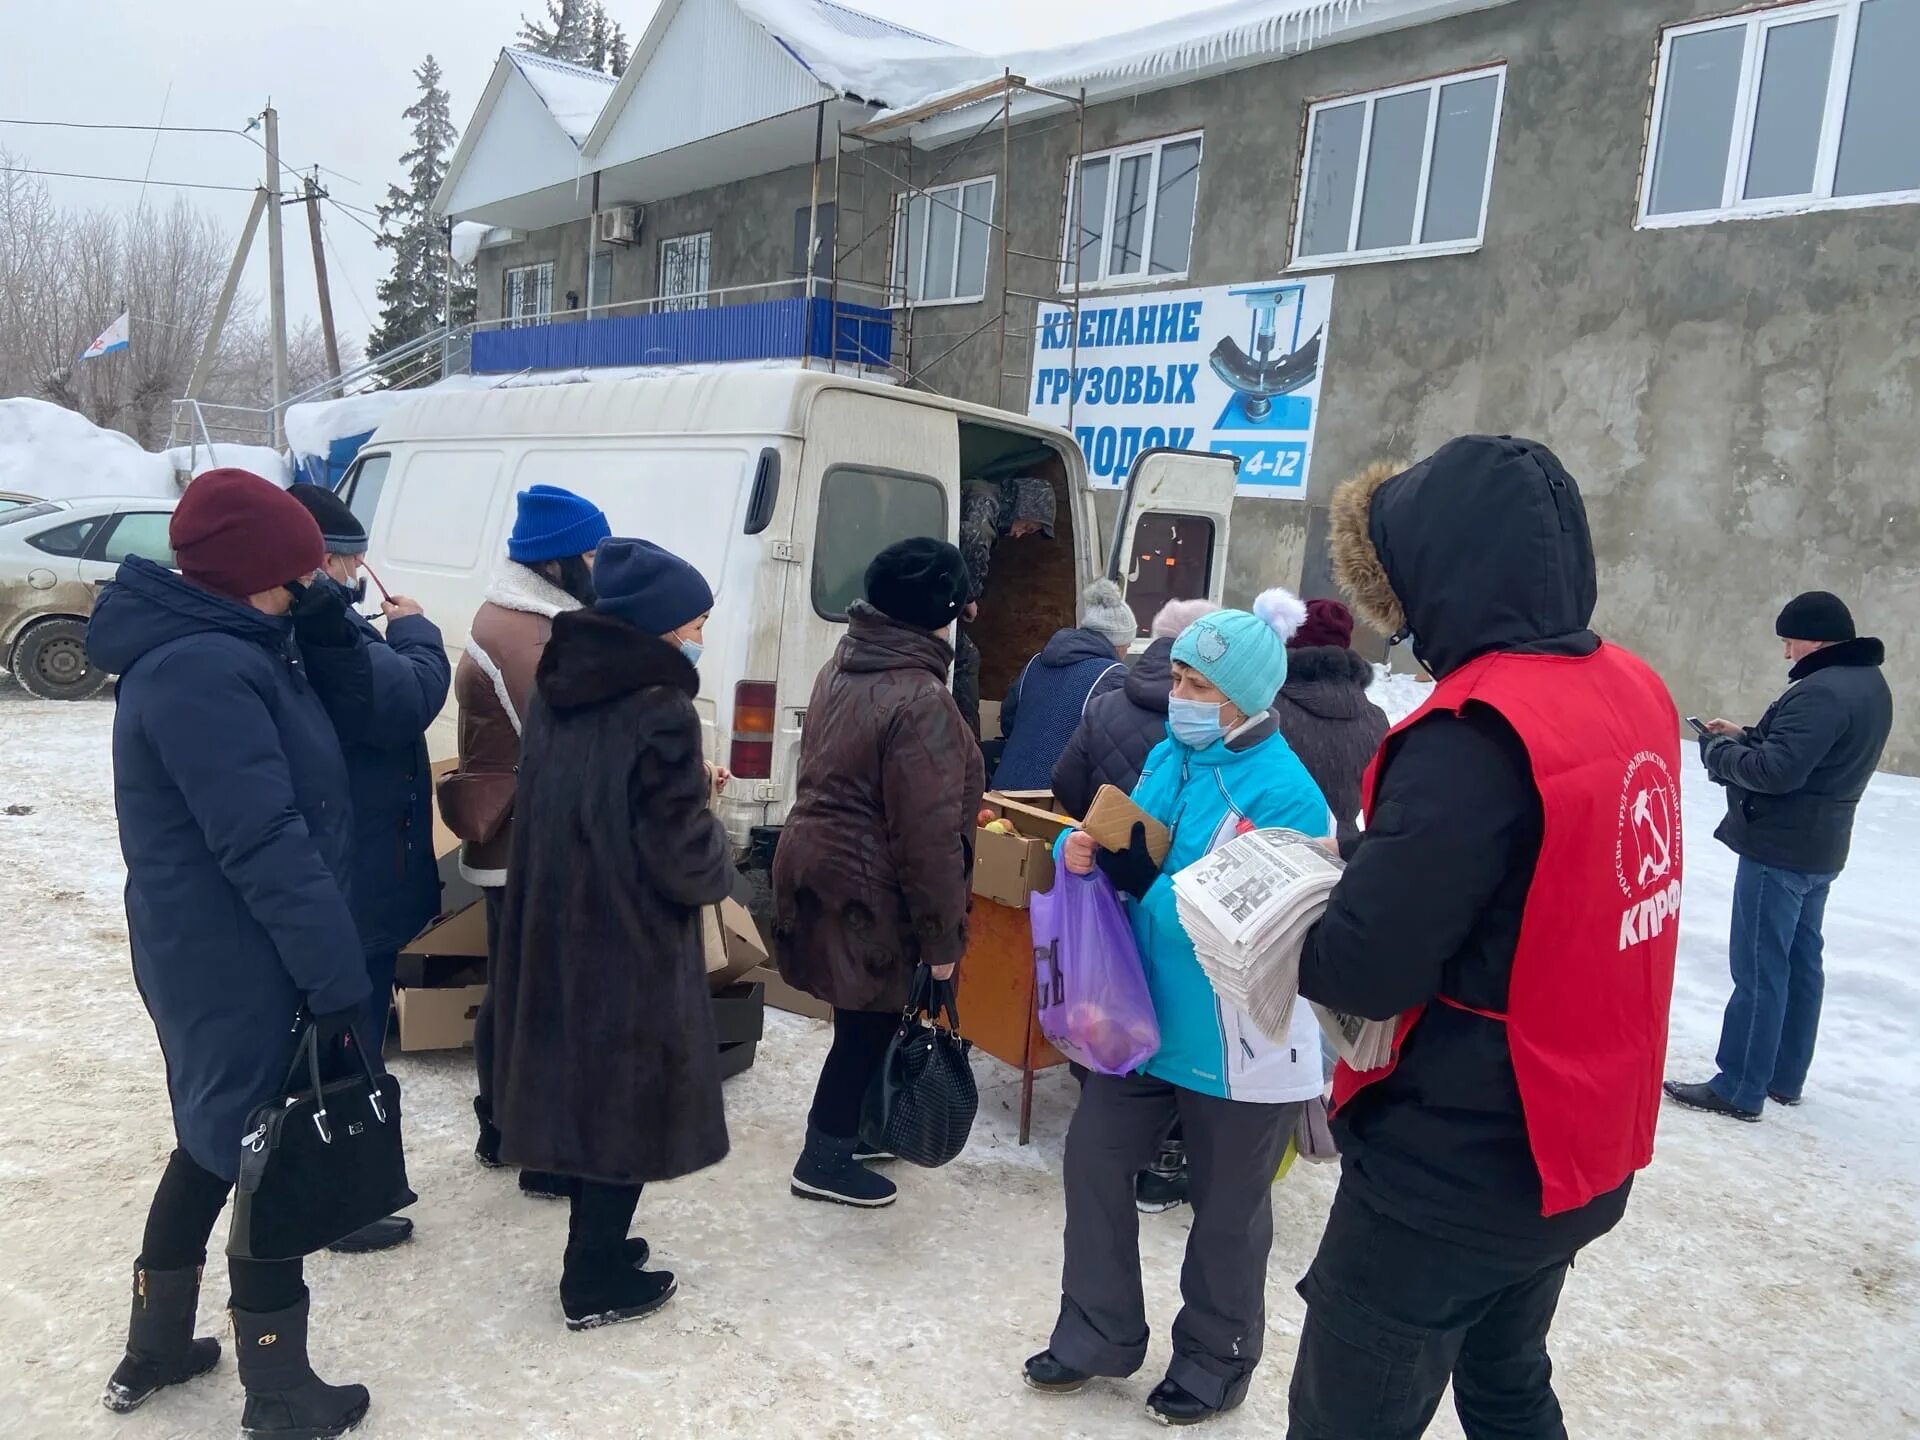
<point x="1766" y="1281"/>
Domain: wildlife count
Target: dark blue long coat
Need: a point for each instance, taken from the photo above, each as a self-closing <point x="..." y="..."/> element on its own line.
<point x="382" y="693"/>
<point x="237" y="833"/>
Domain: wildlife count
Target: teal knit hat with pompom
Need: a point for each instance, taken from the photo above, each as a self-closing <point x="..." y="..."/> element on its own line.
<point x="1244" y="653"/>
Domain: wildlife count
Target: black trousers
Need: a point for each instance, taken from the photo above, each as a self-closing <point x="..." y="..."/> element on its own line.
<point x="483" y="1019"/>
<point x="1394" y="1314"/>
<point x="180" y="1222"/>
<point x="859" y="1044"/>
<point x="1233" y="1151"/>
<point x="601" y="1215"/>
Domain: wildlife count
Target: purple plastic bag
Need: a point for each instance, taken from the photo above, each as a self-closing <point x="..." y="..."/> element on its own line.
<point x="1094" y="1003"/>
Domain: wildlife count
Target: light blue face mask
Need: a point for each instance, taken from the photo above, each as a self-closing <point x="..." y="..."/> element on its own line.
<point x="1195" y="723"/>
<point x="693" y="650"/>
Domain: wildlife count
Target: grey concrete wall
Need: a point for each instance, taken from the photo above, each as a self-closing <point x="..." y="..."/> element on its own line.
<point x="1737" y="400"/>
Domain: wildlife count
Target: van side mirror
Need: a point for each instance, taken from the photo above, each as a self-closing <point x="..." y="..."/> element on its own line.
<point x="766" y="490"/>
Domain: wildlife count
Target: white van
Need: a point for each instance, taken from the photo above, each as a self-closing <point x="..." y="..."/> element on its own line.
<point x="779" y="486"/>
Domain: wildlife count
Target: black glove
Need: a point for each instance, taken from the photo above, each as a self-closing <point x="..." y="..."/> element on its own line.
<point x="320" y="615"/>
<point x="334" y="1042"/>
<point x="1131" y="870"/>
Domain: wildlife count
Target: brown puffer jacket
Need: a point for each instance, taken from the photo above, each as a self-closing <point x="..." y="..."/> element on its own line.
<point x="493" y="686"/>
<point x="875" y="867"/>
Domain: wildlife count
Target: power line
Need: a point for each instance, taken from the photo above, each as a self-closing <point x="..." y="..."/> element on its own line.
<point x="344" y="210"/>
<point x="250" y="138"/>
<point x="127" y="179"/>
<point x="326" y="238"/>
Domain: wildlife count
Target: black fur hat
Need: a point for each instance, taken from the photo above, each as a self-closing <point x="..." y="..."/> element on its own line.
<point x="921" y="582"/>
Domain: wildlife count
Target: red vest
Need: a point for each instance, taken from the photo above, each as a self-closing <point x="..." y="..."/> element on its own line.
<point x="1592" y="976"/>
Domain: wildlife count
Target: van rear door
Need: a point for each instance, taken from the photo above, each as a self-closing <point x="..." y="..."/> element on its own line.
<point x="1170" y="542"/>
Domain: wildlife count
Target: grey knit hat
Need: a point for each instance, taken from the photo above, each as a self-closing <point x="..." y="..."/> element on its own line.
<point x="1103" y="609"/>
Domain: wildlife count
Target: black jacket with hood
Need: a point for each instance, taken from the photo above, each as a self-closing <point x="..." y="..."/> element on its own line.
<point x="1482" y="547"/>
<point x="1331" y="725"/>
<point x="1117" y="733"/>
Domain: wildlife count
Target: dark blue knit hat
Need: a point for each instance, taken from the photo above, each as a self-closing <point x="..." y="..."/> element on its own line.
<point x="653" y="590"/>
<point x="552" y="524"/>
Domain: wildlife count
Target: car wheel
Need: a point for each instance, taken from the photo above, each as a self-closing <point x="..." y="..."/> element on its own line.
<point x="50" y="662"/>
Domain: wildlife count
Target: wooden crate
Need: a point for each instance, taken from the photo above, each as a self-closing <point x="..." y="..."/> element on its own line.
<point x="999" y="1004"/>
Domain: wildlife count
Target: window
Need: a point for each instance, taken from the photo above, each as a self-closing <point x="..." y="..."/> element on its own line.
<point x="12" y="512"/>
<point x="862" y="511"/>
<point x="685" y="264"/>
<point x="940" y="241"/>
<point x="68" y="540"/>
<point x="361" y="489"/>
<point x="1130" y="213"/>
<point x="526" y="294"/>
<point x="1172" y="560"/>
<point x="137" y="532"/>
<point x="823" y="241"/>
<point x="1794" y="108"/>
<point x="600" y="286"/>
<point x="1400" y="172"/>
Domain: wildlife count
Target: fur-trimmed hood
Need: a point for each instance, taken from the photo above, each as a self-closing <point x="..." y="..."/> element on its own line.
<point x="520" y="587"/>
<point x="1482" y="546"/>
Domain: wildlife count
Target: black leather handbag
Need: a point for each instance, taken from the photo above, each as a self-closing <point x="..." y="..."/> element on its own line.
<point x="920" y="1105"/>
<point x="320" y="1163"/>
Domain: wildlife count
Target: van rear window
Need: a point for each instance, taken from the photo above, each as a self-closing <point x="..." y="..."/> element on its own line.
<point x="862" y="511"/>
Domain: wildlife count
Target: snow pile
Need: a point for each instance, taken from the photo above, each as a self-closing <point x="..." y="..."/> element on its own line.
<point x="262" y="460"/>
<point x="470" y="236"/>
<point x="861" y="55"/>
<point x="1398" y="695"/>
<point x="59" y="454"/>
<point x="573" y="94"/>
<point x="312" y="428"/>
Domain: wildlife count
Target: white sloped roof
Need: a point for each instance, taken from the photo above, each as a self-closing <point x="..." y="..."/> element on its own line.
<point x="573" y="94"/>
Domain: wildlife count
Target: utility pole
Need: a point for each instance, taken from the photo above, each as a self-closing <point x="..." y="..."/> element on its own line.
<point x="320" y="283"/>
<point x="210" y="348"/>
<point x="276" y="278"/>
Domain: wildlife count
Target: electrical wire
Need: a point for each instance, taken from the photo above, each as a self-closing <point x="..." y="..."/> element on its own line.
<point x="127" y="179"/>
<point x="346" y="276"/>
<point x="251" y="139"/>
<point x="353" y="217"/>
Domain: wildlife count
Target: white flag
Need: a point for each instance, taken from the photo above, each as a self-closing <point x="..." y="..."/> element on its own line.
<point x="113" y="338"/>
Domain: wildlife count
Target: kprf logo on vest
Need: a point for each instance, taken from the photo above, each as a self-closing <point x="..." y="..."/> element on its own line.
<point x="1646" y="849"/>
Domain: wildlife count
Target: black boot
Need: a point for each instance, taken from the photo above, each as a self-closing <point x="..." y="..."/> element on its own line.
<point x="1050" y="1375"/>
<point x="487" y="1148"/>
<point x="1171" y="1405"/>
<point x="828" y="1171"/>
<point x="381" y="1234"/>
<point x="1162" y="1185"/>
<point x="285" y="1399"/>
<point x="539" y="1185"/>
<point x="161" y="1349"/>
<point x="1704" y="1097"/>
<point x="602" y="1285"/>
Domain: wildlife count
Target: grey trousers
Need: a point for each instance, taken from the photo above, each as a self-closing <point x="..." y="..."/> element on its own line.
<point x="1233" y="1150"/>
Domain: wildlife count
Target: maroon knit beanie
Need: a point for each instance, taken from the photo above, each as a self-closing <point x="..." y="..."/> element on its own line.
<point x="238" y="535"/>
<point x="1328" y="622"/>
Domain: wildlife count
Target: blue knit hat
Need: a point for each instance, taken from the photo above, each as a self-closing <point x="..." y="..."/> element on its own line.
<point x="552" y="524"/>
<point x="653" y="590"/>
<point x="1244" y="653"/>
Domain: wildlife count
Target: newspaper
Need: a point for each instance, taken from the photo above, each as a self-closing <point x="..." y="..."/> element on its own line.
<point x="1247" y="908"/>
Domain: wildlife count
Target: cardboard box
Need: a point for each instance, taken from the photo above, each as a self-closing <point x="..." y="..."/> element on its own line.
<point x="439" y="972"/>
<point x="460" y="933"/>
<point x="1009" y="868"/>
<point x="739" y="1013"/>
<point x="990" y="720"/>
<point x="438" y="1019"/>
<point x="783" y="996"/>
<point x="1111" y="818"/>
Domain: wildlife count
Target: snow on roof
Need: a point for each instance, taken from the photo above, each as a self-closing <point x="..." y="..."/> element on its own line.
<point x="862" y="55"/>
<point x="573" y="94"/>
<point x="313" y="427"/>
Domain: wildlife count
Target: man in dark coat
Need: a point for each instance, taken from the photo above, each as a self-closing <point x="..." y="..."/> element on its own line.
<point x="873" y="875"/>
<point x="1008" y="507"/>
<point x="1122" y="726"/>
<point x="1324" y="711"/>
<point x="1050" y="698"/>
<point x="605" y="1064"/>
<point x="235" y="825"/>
<point x="1793" y="782"/>
<point x="381" y="692"/>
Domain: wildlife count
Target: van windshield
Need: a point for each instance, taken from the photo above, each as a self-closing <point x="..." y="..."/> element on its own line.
<point x="862" y="511"/>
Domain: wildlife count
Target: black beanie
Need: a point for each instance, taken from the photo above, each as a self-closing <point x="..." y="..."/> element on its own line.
<point x="1816" y="615"/>
<point x="339" y="527"/>
<point x="650" y="588"/>
<point x="921" y="582"/>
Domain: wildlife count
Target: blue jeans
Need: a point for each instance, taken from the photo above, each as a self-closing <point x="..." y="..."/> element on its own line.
<point x="1766" y="1040"/>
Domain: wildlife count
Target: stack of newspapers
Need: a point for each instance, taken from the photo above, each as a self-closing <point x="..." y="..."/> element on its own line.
<point x="1247" y="908"/>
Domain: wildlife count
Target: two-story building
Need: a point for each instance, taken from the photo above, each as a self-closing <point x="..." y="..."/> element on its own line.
<point x="1678" y="240"/>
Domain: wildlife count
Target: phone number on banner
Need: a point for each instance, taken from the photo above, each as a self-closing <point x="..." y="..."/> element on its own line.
<point x="1276" y="464"/>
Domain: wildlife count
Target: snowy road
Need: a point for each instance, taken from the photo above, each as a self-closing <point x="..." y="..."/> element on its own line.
<point x="1766" y="1282"/>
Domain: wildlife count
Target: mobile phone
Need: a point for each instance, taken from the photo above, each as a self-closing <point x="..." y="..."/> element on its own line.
<point x="1699" y="725"/>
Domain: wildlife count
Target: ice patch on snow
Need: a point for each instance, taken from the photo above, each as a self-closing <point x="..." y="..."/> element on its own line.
<point x="59" y="454"/>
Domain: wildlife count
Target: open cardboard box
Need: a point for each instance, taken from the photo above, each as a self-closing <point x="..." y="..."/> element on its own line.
<point x="439" y="1019"/>
<point x="1009" y="868"/>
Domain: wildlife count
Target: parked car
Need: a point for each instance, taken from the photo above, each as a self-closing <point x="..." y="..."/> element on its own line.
<point x="54" y="557"/>
<point x="13" y="500"/>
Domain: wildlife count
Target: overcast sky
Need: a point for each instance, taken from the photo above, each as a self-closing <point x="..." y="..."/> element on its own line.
<point x="340" y="73"/>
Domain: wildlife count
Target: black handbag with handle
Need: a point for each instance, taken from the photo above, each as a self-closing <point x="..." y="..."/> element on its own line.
<point x="320" y="1163"/>
<point x="920" y="1105"/>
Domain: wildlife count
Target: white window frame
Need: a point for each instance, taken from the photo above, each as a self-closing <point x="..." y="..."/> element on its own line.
<point x="951" y="194"/>
<point x="1745" y="106"/>
<point x="1069" y="241"/>
<point x="680" y="300"/>
<point x="536" y="279"/>
<point x="1353" y="255"/>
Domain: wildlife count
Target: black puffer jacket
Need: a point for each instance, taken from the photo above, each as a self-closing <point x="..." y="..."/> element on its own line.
<point x="1330" y="724"/>
<point x="1794" y="779"/>
<point x="1117" y="733"/>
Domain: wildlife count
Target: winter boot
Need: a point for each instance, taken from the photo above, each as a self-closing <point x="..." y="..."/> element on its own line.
<point x="1162" y="1186"/>
<point x="1050" y="1375"/>
<point x="161" y="1350"/>
<point x="828" y="1171"/>
<point x="285" y="1399"/>
<point x="602" y="1285"/>
<point x="487" y="1148"/>
<point x="539" y="1185"/>
<point x="1704" y="1097"/>
<point x="1171" y="1405"/>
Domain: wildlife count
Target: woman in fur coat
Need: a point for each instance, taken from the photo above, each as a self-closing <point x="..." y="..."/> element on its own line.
<point x="605" y="1063"/>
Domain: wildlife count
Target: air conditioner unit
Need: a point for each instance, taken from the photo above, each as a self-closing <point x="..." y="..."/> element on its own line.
<point x="618" y="226"/>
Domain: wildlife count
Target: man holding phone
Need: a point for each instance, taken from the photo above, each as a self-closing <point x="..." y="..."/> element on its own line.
<point x="1792" y="783"/>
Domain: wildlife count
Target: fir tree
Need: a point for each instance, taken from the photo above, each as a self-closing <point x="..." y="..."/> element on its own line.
<point x="618" y="51"/>
<point x="424" y="282"/>
<point x="564" y="34"/>
<point x="607" y="48"/>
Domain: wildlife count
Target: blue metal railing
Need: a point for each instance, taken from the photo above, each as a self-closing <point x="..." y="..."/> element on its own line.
<point x="787" y="329"/>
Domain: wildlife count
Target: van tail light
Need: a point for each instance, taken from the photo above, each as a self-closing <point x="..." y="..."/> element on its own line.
<point x="751" y="755"/>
